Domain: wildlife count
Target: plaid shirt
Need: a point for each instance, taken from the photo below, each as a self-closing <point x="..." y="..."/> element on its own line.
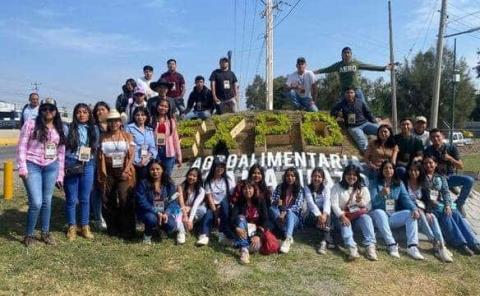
<point x="32" y="150"/>
<point x="295" y="206"/>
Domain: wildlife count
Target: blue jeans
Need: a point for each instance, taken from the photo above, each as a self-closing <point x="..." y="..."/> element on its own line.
<point x="386" y="223"/>
<point x="168" y="162"/>
<point x="150" y="220"/>
<point x="365" y="224"/>
<point x="241" y="222"/>
<point x="77" y="190"/>
<point x="96" y="201"/>
<point x="431" y="230"/>
<point x="456" y="229"/>
<point x="325" y="234"/>
<point x="203" y="115"/>
<point x="40" y="184"/>
<point x="224" y="215"/>
<point x="302" y="102"/>
<point x="466" y="182"/>
<point x="205" y="220"/>
<point x="359" y="133"/>
<point x="291" y="222"/>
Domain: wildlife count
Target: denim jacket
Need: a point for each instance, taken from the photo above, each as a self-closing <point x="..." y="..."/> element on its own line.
<point x="144" y="198"/>
<point x="140" y="138"/>
<point x="439" y="183"/>
<point x="397" y="193"/>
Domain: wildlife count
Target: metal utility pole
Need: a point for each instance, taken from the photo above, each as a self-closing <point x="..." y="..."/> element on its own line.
<point x="455" y="80"/>
<point x="438" y="67"/>
<point x="393" y="80"/>
<point x="269" y="53"/>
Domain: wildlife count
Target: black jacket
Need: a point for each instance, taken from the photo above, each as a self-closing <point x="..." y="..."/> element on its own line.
<point x="240" y="208"/>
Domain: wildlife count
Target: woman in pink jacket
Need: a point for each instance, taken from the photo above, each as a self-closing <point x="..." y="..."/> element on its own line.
<point x="40" y="161"/>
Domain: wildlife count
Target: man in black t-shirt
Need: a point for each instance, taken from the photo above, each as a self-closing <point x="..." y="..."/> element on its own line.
<point x="409" y="147"/>
<point x="200" y="101"/>
<point x="224" y="88"/>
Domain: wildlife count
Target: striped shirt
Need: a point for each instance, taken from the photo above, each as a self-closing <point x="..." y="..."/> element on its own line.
<point x="32" y="150"/>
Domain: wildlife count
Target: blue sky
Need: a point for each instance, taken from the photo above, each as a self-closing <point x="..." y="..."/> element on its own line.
<point x="85" y="50"/>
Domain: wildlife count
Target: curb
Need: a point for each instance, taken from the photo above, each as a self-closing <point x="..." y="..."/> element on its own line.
<point x="8" y="141"/>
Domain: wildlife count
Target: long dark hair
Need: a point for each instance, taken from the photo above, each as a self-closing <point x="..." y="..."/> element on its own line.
<point x="199" y="183"/>
<point x="132" y="82"/>
<point x="395" y="178"/>
<point x="211" y="173"/>
<point x="73" y="138"/>
<point x="356" y="170"/>
<point x="95" y="109"/>
<point x="296" y="185"/>
<point x="243" y="200"/>
<point x="390" y="142"/>
<point x="263" y="185"/>
<point x="422" y="177"/>
<point x="144" y="110"/>
<point x="156" y="115"/>
<point x="40" y="132"/>
<point x="322" y="186"/>
<point x="165" y="180"/>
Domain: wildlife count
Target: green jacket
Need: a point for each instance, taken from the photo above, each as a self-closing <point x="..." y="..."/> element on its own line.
<point x="349" y="72"/>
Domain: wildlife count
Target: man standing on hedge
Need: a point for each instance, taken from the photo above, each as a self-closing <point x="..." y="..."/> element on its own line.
<point x="224" y="88"/>
<point x="357" y="118"/>
<point x="302" y="88"/>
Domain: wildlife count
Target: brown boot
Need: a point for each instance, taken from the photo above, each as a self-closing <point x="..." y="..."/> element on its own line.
<point x="48" y="239"/>
<point x="86" y="233"/>
<point x="72" y="232"/>
<point x="28" y="241"/>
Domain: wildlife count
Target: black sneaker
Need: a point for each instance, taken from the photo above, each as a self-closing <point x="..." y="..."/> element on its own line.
<point x="29" y="241"/>
<point x="462" y="211"/>
<point x="47" y="238"/>
<point x="467" y="251"/>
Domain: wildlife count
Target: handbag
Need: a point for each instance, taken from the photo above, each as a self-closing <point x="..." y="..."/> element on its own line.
<point x="75" y="169"/>
<point x="270" y="244"/>
<point x="357" y="212"/>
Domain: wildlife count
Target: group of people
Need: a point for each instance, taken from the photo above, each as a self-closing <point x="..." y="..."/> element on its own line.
<point x="116" y="165"/>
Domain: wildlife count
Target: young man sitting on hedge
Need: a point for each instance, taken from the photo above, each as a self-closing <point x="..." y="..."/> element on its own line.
<point x="357" y="118"/>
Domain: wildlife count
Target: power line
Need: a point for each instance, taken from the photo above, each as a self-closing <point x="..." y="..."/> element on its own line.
<point x="288" y="13"/>
<point x="254" y="18"/>
<point x="426" y="32"/>
<point x="467" y="15"/>
<point x="260" y="57"/>
<point x="234" y="31"/>
<point x="241" y="74"/>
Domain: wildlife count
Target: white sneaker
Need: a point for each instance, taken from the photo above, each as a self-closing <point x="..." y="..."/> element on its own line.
<point x="353" y="253"/>
<point x="393" y="251"/>
<point x="180" y="237"/>
<point x="322" y="249"/>
<point x="415" y="253"/>
<point x="147" y="239"/>
<point x="202" y="240"/>
<point x="442" y="254"/>
<point x="372" y="253"/>
<point x="244" y="256"/>
<point x="285" y="248"/>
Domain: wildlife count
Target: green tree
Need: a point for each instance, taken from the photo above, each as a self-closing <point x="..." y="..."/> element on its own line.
<point x="475" y="116"/>
<point x="256" y="94"/>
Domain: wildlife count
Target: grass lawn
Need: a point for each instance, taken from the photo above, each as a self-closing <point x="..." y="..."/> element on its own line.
<point x="472" y="164"/>
<point x="110" y="266"/>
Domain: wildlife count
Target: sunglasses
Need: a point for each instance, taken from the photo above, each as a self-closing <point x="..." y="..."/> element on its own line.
<point x="47" y="109"/>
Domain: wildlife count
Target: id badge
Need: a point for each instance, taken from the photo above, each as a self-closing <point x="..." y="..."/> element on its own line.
<point x="226" y="84"/>
<point x="84" y="153"/>
<point x="159" y="206"/>
<point x="50" y="150"/>
<point x="353" y="208"/>
<point x="174" y="88"/>
<point x="117" y="160"/>
<point x="351" y="118"/>
<point x="251" y="229"/>
<point x="434" y="195"/>
<point x="390" y="206"/>
<point x="144" y="151"/>
<point x="160" y="139"/>
<point x="421" y="204"/>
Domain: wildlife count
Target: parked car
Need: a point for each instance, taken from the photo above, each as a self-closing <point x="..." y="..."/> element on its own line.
<point x="458" y="139"/>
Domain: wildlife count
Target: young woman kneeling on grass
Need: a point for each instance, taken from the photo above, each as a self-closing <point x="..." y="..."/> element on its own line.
<point x="286" y="208"/>
<point x="351" y="202"/>
<point x="256" y="174"/>
<point x="417" y="188"/>
<point x="456" y="229"/>
<point x="393" y="208"/>
<point x="157" y="205"/>
<point x="191" y="197"/>
<point x="250" y="220"/>
<point x="317" y="195"/>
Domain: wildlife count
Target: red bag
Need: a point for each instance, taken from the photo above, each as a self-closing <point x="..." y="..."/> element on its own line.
<point x="270" y="244"/>
<point x="355" y="215"/>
